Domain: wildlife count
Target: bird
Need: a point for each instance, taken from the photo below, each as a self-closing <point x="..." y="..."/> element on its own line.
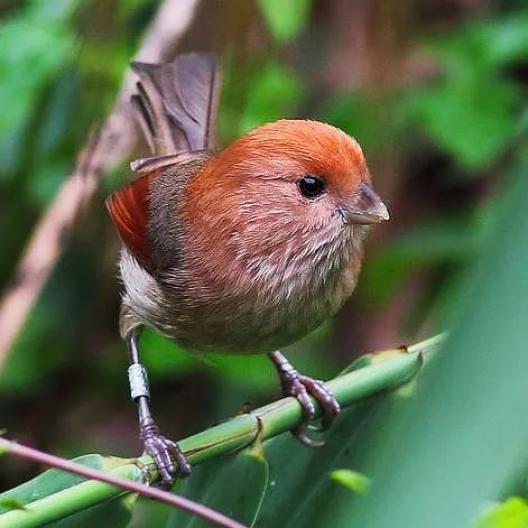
<point x="241" y="250"/>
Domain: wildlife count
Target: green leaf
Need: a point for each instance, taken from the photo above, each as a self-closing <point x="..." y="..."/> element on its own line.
<point x="9" y="503"/>
<point x="131" y="6"/>
<point x="299" y="485"/>
<point x="375" y="120"/>
<point x="285" y="18"/>
<point x="253" y="370"/>
<point x="164" y="358"/>
<point x="234" y="485"/>
<point x="460" y="440"/>
<point x="273" y="90"/>
<point x="439" y="241"/>
<point x="473" y="113"/>
<point x="51" y="481"/>
<point x="474" y="119"/>
<point x="352" y="480"/>
<point x="30" y="35"/>
<point x="110" y="514"/>
<point x="18" y="374"/>
<point x="484" y="44"/>
<point x="513" y="513"/>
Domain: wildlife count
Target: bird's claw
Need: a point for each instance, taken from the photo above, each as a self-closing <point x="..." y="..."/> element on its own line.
<point x="168" y="457"/>
<point x="301" y="388"/>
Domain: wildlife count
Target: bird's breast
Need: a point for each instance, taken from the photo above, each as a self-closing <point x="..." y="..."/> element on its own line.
<point x="236" y="305"/>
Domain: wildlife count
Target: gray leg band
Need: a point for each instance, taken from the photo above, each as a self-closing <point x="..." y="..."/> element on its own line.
<point x="137" y="378"/>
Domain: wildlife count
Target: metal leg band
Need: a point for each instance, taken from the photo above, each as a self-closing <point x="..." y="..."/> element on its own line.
<point x="138" y="380"/>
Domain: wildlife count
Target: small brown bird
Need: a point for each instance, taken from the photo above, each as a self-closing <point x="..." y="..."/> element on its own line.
<point x="245" y="250"/>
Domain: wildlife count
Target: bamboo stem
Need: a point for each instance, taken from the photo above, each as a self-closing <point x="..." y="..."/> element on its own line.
<point x="125" y="478"/>
<point x="68" y="501"/>
<point x="234" y="434"/>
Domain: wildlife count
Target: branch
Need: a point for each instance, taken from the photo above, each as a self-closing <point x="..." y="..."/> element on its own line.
<point x="111" y="144"/>
<point x="384" y="372"/>
<point x="70" y="500"/>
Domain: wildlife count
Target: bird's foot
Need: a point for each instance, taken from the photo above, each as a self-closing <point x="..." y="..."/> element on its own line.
<point x="168" y="457"/>
<point x="301" y="388"/>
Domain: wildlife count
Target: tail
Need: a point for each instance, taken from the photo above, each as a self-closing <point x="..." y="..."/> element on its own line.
<point x="177" y="103"/>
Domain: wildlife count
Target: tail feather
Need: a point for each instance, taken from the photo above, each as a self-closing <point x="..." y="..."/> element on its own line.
<point x="177" y="103"/>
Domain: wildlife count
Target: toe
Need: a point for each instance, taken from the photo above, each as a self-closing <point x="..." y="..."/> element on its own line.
<point x="166" y="468"/>
<point x="325" y="398"/>
<point x="301" y="434"/>
<point x="184" y="468"/>
<point x="300" y="393"/>
<point x="169" y="459"/>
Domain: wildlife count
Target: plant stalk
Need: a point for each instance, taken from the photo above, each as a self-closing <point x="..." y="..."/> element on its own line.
<point x="234" y="434"/>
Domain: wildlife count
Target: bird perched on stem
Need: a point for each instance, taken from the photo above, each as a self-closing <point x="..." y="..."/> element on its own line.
<point x="243" y="250"/>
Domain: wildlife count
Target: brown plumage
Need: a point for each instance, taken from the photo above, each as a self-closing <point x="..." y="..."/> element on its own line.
<point x="243" y="250"/>
<point x="238" y="259"/>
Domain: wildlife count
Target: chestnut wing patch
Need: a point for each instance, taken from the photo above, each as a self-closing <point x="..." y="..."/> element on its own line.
<point x="128" y="208"/>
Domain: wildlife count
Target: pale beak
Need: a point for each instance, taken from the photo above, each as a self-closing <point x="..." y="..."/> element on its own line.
<point x="367" y="208"/>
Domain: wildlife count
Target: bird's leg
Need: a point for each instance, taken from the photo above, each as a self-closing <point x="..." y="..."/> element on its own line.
<point x="168" y="457"/>
<point x="301" y="388"/>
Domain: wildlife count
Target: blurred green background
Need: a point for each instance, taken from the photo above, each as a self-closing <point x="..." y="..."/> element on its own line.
<point x="434" y="90"/>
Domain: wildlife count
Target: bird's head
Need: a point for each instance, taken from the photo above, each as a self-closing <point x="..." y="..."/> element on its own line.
<point x="287" y="186"/>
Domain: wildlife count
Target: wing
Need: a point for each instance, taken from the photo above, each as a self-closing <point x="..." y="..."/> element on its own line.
<point x="176" y="106"/>
<point x="128" y="208"/>
<point x="177" y="103"/>
<point x="146" y="165"/>
<point x="139" y="204"/>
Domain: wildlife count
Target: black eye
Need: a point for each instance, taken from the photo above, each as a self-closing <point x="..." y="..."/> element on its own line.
<point x="311" y="186"/>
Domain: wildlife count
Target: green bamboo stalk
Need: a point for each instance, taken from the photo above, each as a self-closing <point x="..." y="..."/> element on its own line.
<point x="133" y="485"/>
<point x="236" y="433"/>
<point x="68" y="501"/>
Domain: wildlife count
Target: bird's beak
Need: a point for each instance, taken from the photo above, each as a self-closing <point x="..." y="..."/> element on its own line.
<point x="366" y="208"/>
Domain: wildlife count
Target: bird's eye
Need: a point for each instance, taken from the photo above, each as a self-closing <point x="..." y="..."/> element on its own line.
<point x="311" y="186"/>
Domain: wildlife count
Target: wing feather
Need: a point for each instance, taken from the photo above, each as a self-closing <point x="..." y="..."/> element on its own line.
<point x="128" y="208"/>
